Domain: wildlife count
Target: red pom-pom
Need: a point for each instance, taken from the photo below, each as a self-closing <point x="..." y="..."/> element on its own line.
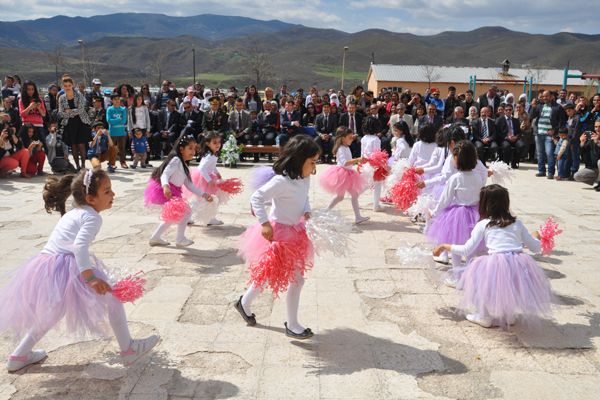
<point x="379" y="161"/>
<point x="129" y="289"/>
<point x="547" y="233"/>
<point x="231" y="186"/>
<point x="405" y="192"/>
<point x="174" y="210"/>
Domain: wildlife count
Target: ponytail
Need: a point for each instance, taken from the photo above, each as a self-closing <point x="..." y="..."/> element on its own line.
<point x="340" y="133"/>
<point x="57" y="190"/>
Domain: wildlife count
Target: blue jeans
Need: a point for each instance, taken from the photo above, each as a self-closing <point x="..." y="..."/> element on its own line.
<point x="575" y="157"/>
<point x="563" y="166"/>
<point x="544" y="147"/>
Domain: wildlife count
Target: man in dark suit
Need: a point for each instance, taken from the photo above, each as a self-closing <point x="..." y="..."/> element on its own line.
<point x="484" y="136"/>
<point x="290" y="123"/>
<point x="215" y="119"/>
<point x="372" y="123"/>
<point x="508" y="132"/>
<point x="432" y="117"/>
<point x="168" y="128"/>
<point x="354" y="121"/>
<point x="325" y="125"/>
<point x="490" y="99"/>
<point x="469" y="102"/>
<point x="458" y="117"/>
<point x="192" y="119"/>
<point x="239" y="123"/>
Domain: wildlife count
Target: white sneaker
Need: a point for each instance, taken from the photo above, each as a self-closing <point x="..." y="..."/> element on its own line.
<point x="214" y="221"/>
<point x="479" y="320"/>
<point x="451" y="282"/>
<point x="138" y="348"/>
<point x="16" y="363"/>
<point x="184" y="243"/>
<point x="360" y="220"/>
<point x="377" y="209"/>
<point x="442" y="258"/>
<point x="158" y="242"/>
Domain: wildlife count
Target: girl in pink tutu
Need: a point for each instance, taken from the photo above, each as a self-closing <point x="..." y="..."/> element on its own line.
<point x="277" y="249"/>
<point x="65" y="280"/>
<point x="341" y="178"/>
<point x="506" y="283"/>
<point x="456" y="213"/>
<point x="166" y="182"/>
<point x="206" y="176"/>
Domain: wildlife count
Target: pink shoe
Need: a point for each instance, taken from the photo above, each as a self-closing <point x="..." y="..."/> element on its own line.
<point x="386" y="200"/>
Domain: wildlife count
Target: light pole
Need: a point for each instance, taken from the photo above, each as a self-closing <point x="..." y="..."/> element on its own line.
<point x="344" y="65"/>
<point x="83" y="69"/>
<point x="194" y="64"/>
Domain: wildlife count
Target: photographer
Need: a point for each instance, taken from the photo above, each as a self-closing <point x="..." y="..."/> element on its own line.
<point x="58" y="151"/>
<point x="589" y="143"/>
<point x="35" y="146"/>
<point x="12" y="154"/>
<point x="102" y="148"/>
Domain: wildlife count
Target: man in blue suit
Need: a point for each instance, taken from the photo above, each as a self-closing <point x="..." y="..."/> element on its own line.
<point x="290" y="123"/>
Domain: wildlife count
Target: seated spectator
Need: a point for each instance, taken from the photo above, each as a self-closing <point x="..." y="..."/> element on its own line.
<point x="12" y="153"/>
<point x="167" y="130"/>
<point x="35" y="146"/>
<point x="239" y="124"/>
<point x="432" y="118"/>
<point x="326" y="124"/>
<point x="309" y="118"/>
<point x="192" y="119"/>
<point x="216" y="119"/>
<point x="508" y="132"/>
<point x="252" y="101"/>
<point x="589" y="143"/>
<point x="58" y="152"/>
<point x="484" y="137"/>
<point x="290" y="123"/>
<point x="139" y="148"/>
<point x="269" y="123"/>
<point x="14" y="119"/>
<point x="102" y="148"/>
<point x="191" y="98"/>
<point x="458" y="117"/>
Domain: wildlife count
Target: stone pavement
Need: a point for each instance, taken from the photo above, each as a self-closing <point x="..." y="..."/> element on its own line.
<point x="383" y="330"/>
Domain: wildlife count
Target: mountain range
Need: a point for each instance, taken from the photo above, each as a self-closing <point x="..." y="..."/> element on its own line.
<point x="135" y="48"/>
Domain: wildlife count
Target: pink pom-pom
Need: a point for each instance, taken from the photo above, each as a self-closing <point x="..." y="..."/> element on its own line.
<point x="174" y="210"/>
<point x="379" y="161"/>
<point x="405" y="192"/>
<point x="547" y="233"/>
<point x="129" y="289"/>
<point x="231" y="186"/>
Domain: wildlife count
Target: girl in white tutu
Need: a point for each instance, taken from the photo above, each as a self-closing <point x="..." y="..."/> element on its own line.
<point x="341" y="178"/>
<point x="506" y="283"/>
<point x="277" y="249"/>
<point x="65" y="281"/>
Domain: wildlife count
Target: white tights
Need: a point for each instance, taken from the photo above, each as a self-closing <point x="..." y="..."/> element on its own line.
<point x="354" y="201"/>
<point x="377" y="193"/>
<point x="118" y="323"/>
<point x="163" y="226"/>
<point x="292" y="300"/>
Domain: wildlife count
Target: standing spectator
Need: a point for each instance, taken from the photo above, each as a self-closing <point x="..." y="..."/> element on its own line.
<point x="561" y="152"/>
<point x="164" y="94"/>
<point x="75" y="121"/>
<point x="432" y="96"/>
<point x="139" y="148"/>
<point x="12" y="153"/>
<point x="413" y="104"/>
<point x="290" y="123"/>
<point x="95" y="92"/>
<point x="562" y="98"/>
<point x="269" y="94"/>
<point x="490" y="99"/>
<point x="451" y="103"/>
<point x="589" y="118"/>
<point x="550" y="117"/>
<point x="574" y="132"/>
<point x="589" y="142"/>
<point x="484" y="136"/>
<point x="35" y="146"/>
<point x="14" y="118"/>
<point x="325" y="126"/>
<point x="97" y="112"/>
<point x="147" y="96"/>
<point x="32" y="110"/>
<point x="51" y="103"/>
<point x="126" y="92"/>
<point x="10" y="89"/>
<point x="138" y="115"/>
<point x="526" y="131"/>
<point x="116" y="116"/>
<point x="191" y="98"/>
<point x="102" y="148"/>
<point x="508" y="131"/>
<point x="252" y="101"/>
<point x="469" y="101"/>
<point x="283" y="92"/>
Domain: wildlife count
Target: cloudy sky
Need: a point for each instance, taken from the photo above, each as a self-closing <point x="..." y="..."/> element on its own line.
<point x="415" y="16"/>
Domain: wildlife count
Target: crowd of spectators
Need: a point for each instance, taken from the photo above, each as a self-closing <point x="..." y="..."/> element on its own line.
<point x="557" y="131"/>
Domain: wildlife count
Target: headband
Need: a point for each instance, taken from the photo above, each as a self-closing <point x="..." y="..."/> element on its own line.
<point x="87" y="180"/>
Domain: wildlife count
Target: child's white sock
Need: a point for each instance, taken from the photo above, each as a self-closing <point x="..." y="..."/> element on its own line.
<point x="293" y="302"/>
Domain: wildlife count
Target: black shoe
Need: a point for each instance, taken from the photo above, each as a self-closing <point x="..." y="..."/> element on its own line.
<point x="270" y="158"/>
<point x="597" y="188"/>
<point x="572" y="176"/>
<point x="307" y="333"/>
<point x="540" y="174"/>
<point x="256" y="159"/>
<point x="514" y="166"/>
<point x="550" y="176"/>
<point x="250" y="319"/>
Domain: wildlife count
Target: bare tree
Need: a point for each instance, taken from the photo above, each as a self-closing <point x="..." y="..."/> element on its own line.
<point x="259" y="64"/>
<point x="430" y="73"/>
<point x="159" y="64"/>
<point x="538" y="74"/>
<point x="57" y="58"/>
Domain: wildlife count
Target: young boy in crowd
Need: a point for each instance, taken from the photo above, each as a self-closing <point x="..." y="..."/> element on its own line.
<point x="561" y="152"/>
<point x="102" y="148"/>
<point x="139" y="148"/>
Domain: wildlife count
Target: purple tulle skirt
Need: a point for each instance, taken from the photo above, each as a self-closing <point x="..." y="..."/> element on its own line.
<point x="339" y="180"/>
<point x="504" y="286"/>
<point x="453" y="225"/>
<point x="49" y="288"/>
<point x="154" y="195"/>
<point x="260" y="176"/>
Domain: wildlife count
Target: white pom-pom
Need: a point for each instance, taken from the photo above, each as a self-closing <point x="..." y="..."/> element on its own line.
<point x="329" y="232"/>
<point x="203" y="211"/>
<point x="398" y="169"/>
<point x="413" y="255"/>
<point x="223" y="196"/>
<point x="422" y="206"/>
<point x="502" y="173"/>
<point x="368" y="171"/>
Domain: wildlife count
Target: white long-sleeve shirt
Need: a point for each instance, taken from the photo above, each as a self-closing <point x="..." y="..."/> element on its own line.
<point x="208" y="167"/>
<point x="369" y="144"/>
<point x="74" y="233"/>
<point x="449" y="169"/>
<point x="402" y="149"/>
<point x="175" y="174"/>
<point x="499" y="240"/>
<point x="462" y="188"/>
<point x="289" y="198"/>
<point x="436" y="162"/>
<point x="342" y="156"/>
<point x="421" y="153"/>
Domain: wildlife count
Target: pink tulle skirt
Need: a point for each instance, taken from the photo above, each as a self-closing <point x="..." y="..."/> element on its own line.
<point x="453" y="225"/>
<point x="200" y="182"/>
<point x="154" y="195"/>
<point x="49" y="288"/>
<point x="504" y="286"/>
<point x="339" y="180"/>
<point x="275" y="264"/>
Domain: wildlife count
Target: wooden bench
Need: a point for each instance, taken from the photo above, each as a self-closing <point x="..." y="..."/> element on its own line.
<point x="261" y="149"/>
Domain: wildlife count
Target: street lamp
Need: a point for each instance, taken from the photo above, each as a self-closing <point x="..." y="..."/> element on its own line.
<point x="83" y="69"/>
<point x="344" y="65"/>
<point x="194" y="64"/>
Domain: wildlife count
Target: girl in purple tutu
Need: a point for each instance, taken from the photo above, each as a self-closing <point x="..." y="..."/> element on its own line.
<point x="456" y="213"/>
<point x="166" y="182"/>
<point x="65" y="281"/>
<point x="277" y="249"/>
<point x="506" y="283"/>
<point x="341" y="178"/>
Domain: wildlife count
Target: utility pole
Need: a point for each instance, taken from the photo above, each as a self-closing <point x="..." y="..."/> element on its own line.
<point x="344" y="65"/>
<point x="194" y="64"/>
